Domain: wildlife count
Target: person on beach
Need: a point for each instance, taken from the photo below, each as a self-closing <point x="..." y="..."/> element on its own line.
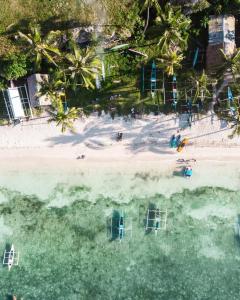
<point x="119" y="136"/>
<point x="178" y="140"/>
<point x="173" y="141"/>
<point x="133" y="114"/>
<point x="188" y="171"/>
<point x="81" y="156"/>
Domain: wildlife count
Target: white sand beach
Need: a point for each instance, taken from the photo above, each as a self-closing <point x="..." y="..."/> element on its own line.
<point x="146" y="138"/>
<point x="39" y="149"/>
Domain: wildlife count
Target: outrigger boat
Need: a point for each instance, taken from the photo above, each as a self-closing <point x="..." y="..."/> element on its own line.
<point x="121" y="226"/>
<point x="156" y="220"/>
<point x="10" y="258"/>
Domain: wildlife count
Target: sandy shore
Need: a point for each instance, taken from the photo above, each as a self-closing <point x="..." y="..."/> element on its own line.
<point x="145" y="139"/>
<point x="35" y="156"/>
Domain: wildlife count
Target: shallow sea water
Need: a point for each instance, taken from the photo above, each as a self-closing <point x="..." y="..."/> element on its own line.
<point x="66" y="252"/>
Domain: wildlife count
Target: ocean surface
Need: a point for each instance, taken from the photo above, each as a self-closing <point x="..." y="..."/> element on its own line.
<point x="72" y="250"/>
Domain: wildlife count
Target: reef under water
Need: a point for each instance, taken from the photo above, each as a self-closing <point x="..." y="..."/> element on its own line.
<point x="66" y="252"/>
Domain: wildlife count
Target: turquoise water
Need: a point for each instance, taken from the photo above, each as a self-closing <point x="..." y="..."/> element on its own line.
<point x="65" y="253"/>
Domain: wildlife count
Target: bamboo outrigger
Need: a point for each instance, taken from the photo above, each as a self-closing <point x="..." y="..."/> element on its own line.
<point x="156" y="220"/>
<point x="119" y="226"/>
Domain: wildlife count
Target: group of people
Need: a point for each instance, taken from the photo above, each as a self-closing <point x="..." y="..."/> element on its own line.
<point x="176" y="142"/>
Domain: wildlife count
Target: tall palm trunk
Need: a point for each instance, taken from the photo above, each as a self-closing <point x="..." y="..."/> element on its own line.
<point x="147" y="21"/>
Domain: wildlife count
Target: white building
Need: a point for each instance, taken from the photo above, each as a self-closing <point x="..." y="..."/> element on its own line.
<point x="35" y="83"/>
<point x="221" y="35"/>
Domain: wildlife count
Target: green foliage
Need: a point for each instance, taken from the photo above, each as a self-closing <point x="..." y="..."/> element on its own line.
<point x="121" y="63"/>
<point x="14" y="12"/>
<point x="174" y="27"/>
<point x="64" y="118"/>
<point x="170" y="61"/>
<point x="231" y="63"/>
<point x="14" y="66"/>
<point x="4" y="122"/>
<point x="84" y="64"/>
<point x="41" y="47"/>
<point x="123" y="16"/>
<point x="200" y="5"/>
<point x="200" y="82"/>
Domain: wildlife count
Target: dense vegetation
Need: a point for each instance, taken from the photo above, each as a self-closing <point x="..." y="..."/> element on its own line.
<point x="116" y="42"/>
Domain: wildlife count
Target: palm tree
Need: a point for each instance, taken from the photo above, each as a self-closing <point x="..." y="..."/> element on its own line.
<point x="84" y="65"/>
<point x="55" y="86"/>
<point x="233" y="119"/>
<point x="171" y="60"/>
<point x="236" y="126"/>
<point x="174" y="27"/>
<point x="41" y="47"/>
<point x="200" y="84"/>
<point x="64" y="118"/>
<point x="147" y="5"/>
<point x="231" y="63"/>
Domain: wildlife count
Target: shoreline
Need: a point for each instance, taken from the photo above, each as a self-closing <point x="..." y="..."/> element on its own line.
<point x="35" y="158"/>
<point x="121" y="180"/>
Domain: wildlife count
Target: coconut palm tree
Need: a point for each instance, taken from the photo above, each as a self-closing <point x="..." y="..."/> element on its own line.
<point x="84" y="65"/>
<point x="236" y="127"/>
<point x="55" y="86"/>
<point x="174" y="26"/>
<point x="147" y="5"/>
<point x="64" y="118"/>
<point x="200" y="83"/>
<point x="231" y="63"/>
<point x="171" y="60"/>
<point x="233" y="119"/>
<point x="41" y="47"/>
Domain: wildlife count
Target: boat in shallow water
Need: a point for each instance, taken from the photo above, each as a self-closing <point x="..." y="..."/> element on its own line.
<point x="10" y="257"/>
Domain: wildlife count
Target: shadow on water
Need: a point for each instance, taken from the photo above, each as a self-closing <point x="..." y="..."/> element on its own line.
<point x="113" y="225"/>
<point x="7" y="248"/>
<point x="179" y="172"/>
<point x="237" y="230"/>
<point x="10" y="297"/>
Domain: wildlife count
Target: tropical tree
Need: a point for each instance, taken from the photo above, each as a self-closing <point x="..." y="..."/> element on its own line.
<point x="14" y="66"/>
<point x="62" y="117"/>
<point x="84" y="65"/>
<point x="146" y="6"/>
<point x="54" y="86"/>
<point x="41" y="47"/>
<point x="236" y="126"/>
<point x="174" y="28"/>
<point x="232" y="118"/>
<point x="193" y="6"/>
<point x="171" y="60"/>
<point x="231" y="63"/>
<point x="200" y="83"/>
